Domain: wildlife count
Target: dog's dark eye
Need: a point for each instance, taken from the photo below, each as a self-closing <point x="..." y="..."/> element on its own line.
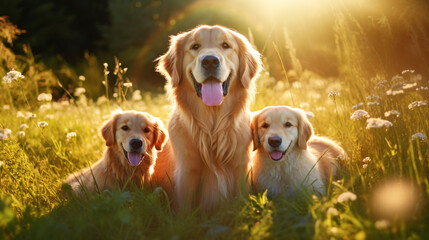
<point x="225" y="45"/>
<point x="146" y="130"/>
<point x="195" y="46"/>
<point x="266" y="125"/>
<point x="125" y="128"/>
<point x="288" y="124"/>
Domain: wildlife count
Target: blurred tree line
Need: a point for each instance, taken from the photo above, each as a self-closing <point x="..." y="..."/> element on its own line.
<point x="84" y="34"/>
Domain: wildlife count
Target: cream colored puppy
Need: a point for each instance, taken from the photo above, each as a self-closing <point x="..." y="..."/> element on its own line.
<point x="283" y="160"/>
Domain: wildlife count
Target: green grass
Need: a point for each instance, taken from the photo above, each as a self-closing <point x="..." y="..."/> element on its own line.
<point x="31" y="206"/>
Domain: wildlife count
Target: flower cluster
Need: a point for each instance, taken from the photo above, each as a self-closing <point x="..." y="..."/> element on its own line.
<point x="419" y="135"/>
<point x="358" y="114"/>
<point x="346" y="196"/>
<point x="12" y="76"/>
<point x="377" y="123"/>
<point x="47" y="97"/>
<point x="417" y="104"/>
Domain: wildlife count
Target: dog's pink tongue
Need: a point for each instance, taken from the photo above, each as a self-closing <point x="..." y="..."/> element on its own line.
<point x="212" y="93"/>
<point x="134" y="158"/>
<point x="276" y="155"/>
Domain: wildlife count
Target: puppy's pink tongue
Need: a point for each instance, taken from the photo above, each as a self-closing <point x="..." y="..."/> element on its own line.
<point x="276" y="155"/>
<point x="134" y="158"/>
<point x="212" y="93"/>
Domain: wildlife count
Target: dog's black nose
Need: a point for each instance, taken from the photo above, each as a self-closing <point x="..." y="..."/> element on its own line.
<point x="136" y="143"/>
<point x="210" y="62"/>
<point x="275" y="141"/>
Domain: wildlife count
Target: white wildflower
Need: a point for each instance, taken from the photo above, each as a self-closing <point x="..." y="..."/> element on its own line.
<point x="30" y="115"/>
<point x="371" y="104"/>
<point x="105" y="65"/>
<point x="382" y="224"/>
<point x="103" y="82"/>
<point x="7" y="131"/>
<point x="359" y="105"/>
<point x="422" y="88"/>
<point x="79" y="91"/>
<point x="19" y="114"/>
<point x="21" y="134"/>
<point x="418" y="135"/>
<point x="42" y="124"/>
<point x="332" y="211"/>
<point x="12" y="76"/>
<point x="397" y="78"/>
<point x="3" y="136"/>
<point x="409" y="85"/>
<point x="6" y="107"/>
<point x="297" y="84"/>
<point x="358" y="114"/>
<point x="407" y="71"/>
<point x="44" y="97"/>
<point x="45" y="107"/>
<point x="381" y="85"/>
<point x="128" y="84"/>
<point x="115" y="95"/>
<point x="136" y="95"/>
<point x="392" y="113"/>
<point x="346" y="196"/>
<point x="366" y="160"/>
<point x="391" y="92"/>
<point x="280" y="85"/>
<point x="417" y="104"/>
<point x="101" y="100"/>
<point x="1" y="164"/>
<point x="372" y="97"/>
<point x="377" y="123"/>
<point x="333" y="94"/>
<point x="82" y="78"/>
<point x="71" y="135"/>
<point x="334" y="230"/>
<point x="23" y="126"/>
<point x="365" y="166"/>
<point x="304" y="105"/>
<point x="320" y="109"/>
<point x="310" y="115"/>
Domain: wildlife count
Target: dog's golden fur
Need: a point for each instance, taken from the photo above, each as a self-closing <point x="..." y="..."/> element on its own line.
<point x="293" y="163"/>
<point x="211" y="143"/>
<point x="114" y="167"/>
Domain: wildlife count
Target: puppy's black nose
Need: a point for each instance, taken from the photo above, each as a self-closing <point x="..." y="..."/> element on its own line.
<point x="136" y="143"/>
<point x="275" y="141"/>
<point x="210" y="62"/>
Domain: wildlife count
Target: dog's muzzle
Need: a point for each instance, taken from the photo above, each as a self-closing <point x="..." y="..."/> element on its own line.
<point x="136" y="155"/>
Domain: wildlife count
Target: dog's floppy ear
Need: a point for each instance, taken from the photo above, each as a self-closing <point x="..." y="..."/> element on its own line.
<point x="108" y="131"/>
<point x="250" y="63"/>
<point x="170" y="64"/>
<point x="254" y="128"/>
<point x="160" y="135"/>
<point x="305" y="130"/>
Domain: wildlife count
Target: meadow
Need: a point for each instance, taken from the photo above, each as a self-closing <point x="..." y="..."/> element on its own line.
<point x="380" y="121"/>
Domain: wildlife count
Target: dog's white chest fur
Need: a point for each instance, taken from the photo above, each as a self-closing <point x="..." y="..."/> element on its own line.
<point x="287" y="175"/>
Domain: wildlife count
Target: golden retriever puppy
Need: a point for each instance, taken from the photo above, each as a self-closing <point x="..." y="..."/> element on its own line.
<point x="287" y="155"/>
<point x="133" y="140"/>
<point x="210" y="72"/>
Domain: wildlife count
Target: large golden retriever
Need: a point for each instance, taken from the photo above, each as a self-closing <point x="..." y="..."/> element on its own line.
<point x="287" y="154"/>
<point x="133" y="140"/>
<point x="210" y="72"/>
